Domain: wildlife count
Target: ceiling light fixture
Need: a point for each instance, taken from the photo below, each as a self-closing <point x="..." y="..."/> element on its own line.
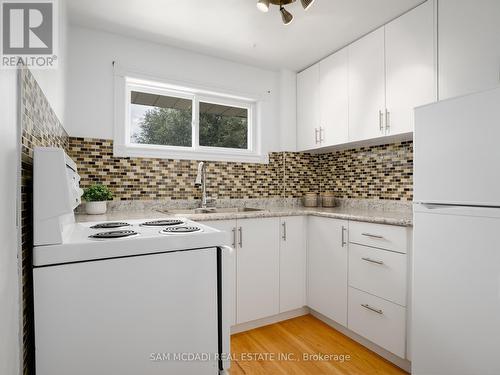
<point x="263" y="5"/>
<point x="306" y="4"/>
<point x="286" y="16"/>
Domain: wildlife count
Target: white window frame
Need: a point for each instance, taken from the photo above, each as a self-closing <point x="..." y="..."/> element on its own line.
<point x="123" y="147"/>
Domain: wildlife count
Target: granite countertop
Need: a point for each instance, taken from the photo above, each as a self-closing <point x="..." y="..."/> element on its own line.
<point x="371" y="215"/>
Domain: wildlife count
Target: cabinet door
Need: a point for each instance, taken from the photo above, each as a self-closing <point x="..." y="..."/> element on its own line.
<point x="410" y="66"/>
<point x="327" y="267"/>
<point x="292" y="263"/>
<point x="308" y="108"/>
<point x="229" y="227"/>
<point x="257" y="271"/>
<point x="366" y="86"/>
<point x="469" y="46"/>
<point x="334" y="94"/>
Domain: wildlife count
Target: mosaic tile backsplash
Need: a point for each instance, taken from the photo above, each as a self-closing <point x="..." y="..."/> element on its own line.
<point x="39" y="127"/>
<point x="382" y="172"/>
<point x="377" y="172"/>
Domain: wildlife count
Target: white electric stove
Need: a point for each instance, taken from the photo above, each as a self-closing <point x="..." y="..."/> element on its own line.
<point x="103" y="240"/>
<point x="132" y="297"/>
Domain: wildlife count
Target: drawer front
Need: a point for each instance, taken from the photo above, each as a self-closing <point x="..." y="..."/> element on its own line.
<point x="383" y="236"/>
<point x="378" y="272"/>
<point x="386" y="326"/>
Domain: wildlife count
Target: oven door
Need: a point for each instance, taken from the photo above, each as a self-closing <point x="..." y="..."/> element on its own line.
<point x="151" y="314"/>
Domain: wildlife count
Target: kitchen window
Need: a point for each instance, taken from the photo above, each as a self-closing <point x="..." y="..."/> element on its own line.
<point x="156" y="119"/>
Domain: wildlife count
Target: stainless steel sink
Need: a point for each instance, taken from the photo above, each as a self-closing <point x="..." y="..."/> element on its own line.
<point x="210" y="210"/>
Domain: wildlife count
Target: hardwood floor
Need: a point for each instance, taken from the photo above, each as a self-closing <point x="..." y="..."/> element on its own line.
<point x="256" y="352"/>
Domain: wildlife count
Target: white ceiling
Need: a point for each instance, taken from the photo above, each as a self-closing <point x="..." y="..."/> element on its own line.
<point x="236" y="30"/>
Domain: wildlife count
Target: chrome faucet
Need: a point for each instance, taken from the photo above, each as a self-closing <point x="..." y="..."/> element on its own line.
<point x="201" y="180"/>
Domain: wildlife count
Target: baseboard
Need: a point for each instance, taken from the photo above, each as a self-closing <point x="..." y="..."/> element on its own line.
<point x="269" y="320"/>
<point x="400" y="362"/>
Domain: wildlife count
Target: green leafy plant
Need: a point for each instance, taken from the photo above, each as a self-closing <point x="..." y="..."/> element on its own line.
<point x="97" y="193"/>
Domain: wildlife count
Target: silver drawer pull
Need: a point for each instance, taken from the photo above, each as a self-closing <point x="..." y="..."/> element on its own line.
<point x="366" y="306"/>
<point x="373" y="261"/>
<point x="372" y="235"/>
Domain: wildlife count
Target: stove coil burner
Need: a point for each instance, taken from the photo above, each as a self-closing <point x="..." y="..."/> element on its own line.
<point x="162" y="223"/>
<point x="110" y="225"/>
<point x="114" y="234"/>
<point x="181" y="229"/>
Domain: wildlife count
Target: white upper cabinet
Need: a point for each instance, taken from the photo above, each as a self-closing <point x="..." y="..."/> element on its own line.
<point x="469" y="46"/>
<point x="410" y="67"/>
<point x="367" y="87"/>
<point x="370" y="88"/>
<point x="334" y="102"/>
<point x="308" y="108"/>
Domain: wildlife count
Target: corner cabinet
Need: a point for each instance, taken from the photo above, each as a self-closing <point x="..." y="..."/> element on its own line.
<point x="327" y="267"/>
<point x="369" y="89"/>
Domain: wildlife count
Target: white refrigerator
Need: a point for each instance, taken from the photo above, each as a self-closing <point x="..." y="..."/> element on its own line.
<point x="456" y="260"/>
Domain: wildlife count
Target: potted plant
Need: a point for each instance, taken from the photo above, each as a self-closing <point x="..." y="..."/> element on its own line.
<point x="96" y="197"/>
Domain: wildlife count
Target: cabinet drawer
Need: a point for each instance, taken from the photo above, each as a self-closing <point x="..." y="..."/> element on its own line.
<point x="378" y="320"/>
<point x="378" y="272"/>
<point x="383" y="236"/>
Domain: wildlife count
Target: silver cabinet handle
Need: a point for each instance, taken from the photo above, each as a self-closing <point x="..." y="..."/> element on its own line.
<point x="321" y="134"/>
<point x="344" y="241"/>
<point x="240" y="230"/>
<point x="316" y="131"/>
<point x="387" y="121"/>
<point x="372" y="235"/>
<point x="373" y="261"/>
<point x="234" y="237"/>
<point x="366" y="306"/>
<point x="381" y="121"/>
<point x="284" y="230"/>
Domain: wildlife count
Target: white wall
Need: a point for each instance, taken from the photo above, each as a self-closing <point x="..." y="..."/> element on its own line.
<point x="9" y="276"/>
<point x="90" y="79"/>
<point x="53" y="81"/>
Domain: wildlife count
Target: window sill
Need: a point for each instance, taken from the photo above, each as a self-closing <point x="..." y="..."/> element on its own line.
<point x="179" y="154"/>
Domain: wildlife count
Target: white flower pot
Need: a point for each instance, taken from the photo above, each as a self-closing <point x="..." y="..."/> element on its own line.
<point x="95" y="208"/>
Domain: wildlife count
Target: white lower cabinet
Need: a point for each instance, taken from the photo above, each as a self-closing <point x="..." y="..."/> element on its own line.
<point x="354" y="273"/>
<point x="379" y="272"/>
<point x="327" y="267"/>
<point x="378" y="320"/>
<point x="257" y="269"/>
<point x="292" y="263"/>
<point x="270" y="265"/>
<point x="378" y="284"/>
